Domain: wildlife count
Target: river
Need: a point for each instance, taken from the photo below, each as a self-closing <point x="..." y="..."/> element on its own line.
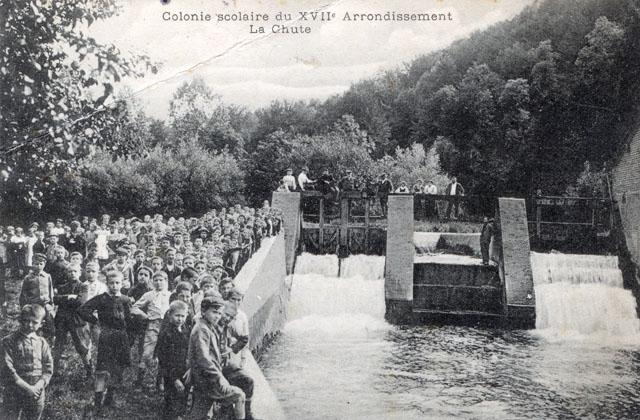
<point x="338" y="359"/>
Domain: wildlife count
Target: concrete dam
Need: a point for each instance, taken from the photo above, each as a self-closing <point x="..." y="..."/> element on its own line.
<point x="421" y="333"/>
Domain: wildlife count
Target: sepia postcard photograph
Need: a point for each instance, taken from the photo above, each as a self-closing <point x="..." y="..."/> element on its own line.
<point x="319" y="209"/>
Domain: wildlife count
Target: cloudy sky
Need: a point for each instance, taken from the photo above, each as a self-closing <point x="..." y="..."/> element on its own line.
<point x="252" y="69"/>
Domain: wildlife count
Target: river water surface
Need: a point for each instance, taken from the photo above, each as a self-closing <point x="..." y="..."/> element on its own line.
<point x="338" y="359"/>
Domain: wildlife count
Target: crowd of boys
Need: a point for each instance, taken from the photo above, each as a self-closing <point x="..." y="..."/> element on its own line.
<point x="162" y="288"/>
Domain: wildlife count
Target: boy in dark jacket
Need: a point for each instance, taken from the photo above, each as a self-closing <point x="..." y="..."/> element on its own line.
<point x="114" y="356"/>
<point x="68" y="322"/>
<point x="171" y="350"/>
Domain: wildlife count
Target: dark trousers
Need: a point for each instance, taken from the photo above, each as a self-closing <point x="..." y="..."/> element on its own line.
<point x="20" y="261"/>
<point x="207" y="405"/>
<point x="484" y="249"/>
<point x="48" y="329"/>
<point x="384" y="199"/>
<point x="455" y="203"/>
<point x="19" y="406"/>
<point x="430" y="208"/>
<point x="80" y="336"/>
<point x="175" y="403"/>
<point x="238" y="377"/>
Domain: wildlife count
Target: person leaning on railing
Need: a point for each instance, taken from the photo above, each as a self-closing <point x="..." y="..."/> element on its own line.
<point x="402" y="188"/>
<point x="304" y="183"/>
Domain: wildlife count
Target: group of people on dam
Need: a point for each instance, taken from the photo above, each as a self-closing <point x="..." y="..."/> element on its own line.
<point x="162" y="289"/>
<point x="380" y="187"/>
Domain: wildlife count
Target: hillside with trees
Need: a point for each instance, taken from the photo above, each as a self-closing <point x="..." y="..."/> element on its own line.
<point x="543" y="101"/>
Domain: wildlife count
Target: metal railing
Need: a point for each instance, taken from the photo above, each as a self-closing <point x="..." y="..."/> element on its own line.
<point x="466" y="208"/>
<point x="558" y="219"/>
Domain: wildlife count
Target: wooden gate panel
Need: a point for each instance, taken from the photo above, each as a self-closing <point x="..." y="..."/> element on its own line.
<point x="330" y="240"/>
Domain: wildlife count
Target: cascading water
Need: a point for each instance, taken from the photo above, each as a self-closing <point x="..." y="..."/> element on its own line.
<point x="321" y="293"/>
<point x="332" y="321"/>
<point x="582" y="295"/>
<point x="369" y="267"/>
<point x="338" y="359"/>
<point x="324" y="265"/>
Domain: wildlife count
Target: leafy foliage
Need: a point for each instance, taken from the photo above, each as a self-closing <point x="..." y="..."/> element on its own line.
<point x="514" y="108"/>
<point x="189" y="181"/>
<point x="412" y="164"/>
<point x="56" y="86"/>
<point x="197" y="113"/>
<point x="518" y="106"/>
<point x="592" y="183"/>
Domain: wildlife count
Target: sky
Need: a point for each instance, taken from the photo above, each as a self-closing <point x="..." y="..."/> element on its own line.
<point x="253" y="69"/>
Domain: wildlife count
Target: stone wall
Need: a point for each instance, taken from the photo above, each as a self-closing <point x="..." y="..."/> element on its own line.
<point x="398" y="273"/>
<point x="626" y="191"/>
<point x="512" y="242"/>
<point x="263" y="279"/>
<point x="289" y="204"/>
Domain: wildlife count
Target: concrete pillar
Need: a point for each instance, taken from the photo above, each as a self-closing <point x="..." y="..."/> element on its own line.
<point x="398" y="272"/>
<point x="289" y="204"/>
<point x="512" y="241"/>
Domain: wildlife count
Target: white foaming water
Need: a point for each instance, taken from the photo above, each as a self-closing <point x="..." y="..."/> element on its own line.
<point x="337" y="359"/>
<point x="326" y="265"/>
<point x="323" y="303"/>
<point x="370" y="267"/>
<point x="582" y="295"/>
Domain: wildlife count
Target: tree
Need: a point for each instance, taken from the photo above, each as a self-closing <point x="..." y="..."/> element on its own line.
<point x="369" y="102"/>
<point x="412" y="164"/>
<point x="345" y="146"/>
<point x="56" y="90"/>
<point x="191" y="108"/>
<point x="295" y="117"/>
<point x="159" y="134"/>
<point x="196" y="113"/>
<point x="267" y="164"/>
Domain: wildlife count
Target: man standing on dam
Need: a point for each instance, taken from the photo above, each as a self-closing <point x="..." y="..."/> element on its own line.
<point x="485" y="238"/>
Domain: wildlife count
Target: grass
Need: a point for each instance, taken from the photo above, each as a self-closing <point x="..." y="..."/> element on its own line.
<point x="69" y="396"/>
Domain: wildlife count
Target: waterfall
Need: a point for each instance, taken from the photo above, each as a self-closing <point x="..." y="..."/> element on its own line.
<point x="582" y="295"/>
<point x="370" y="267"/>
<point x="325" y="265"/>
<point x="322" y="303"/>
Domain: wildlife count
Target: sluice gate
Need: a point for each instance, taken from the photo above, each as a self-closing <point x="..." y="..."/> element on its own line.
<point x="438" y="275"/>
<point x="352" y="223"/>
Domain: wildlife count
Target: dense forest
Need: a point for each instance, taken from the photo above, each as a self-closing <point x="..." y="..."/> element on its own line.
<point x="543" y="101"/>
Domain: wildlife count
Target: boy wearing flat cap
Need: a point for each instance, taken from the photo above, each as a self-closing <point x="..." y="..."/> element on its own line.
<point x="37" y="288"/>
<point x="232" y="342"/>
<point x="205" y="362"/>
